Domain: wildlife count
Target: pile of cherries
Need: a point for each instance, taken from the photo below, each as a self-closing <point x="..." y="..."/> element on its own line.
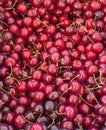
<point x="52" y="64"/>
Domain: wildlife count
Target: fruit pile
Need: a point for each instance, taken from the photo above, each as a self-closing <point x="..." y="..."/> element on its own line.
<point x="52" y="64"/>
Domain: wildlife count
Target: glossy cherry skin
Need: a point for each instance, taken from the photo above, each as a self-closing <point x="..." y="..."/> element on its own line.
<point x="19" y="121"/>
<point x="36" y="126"/>
<point x="71" y="112"/>
<point x="84" y="108"/>
<point x="68" y="125"/>
<point x="74" y="86"/>
<point x="39" y="96"/>
<point x="32" y="84"/>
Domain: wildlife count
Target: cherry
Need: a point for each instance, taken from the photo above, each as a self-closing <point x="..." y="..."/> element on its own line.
<point x="76" y="38"/>
<point x="87" y="120"/>
<point x="99" y="14"/>
<point x="19" y="121"/>
<point x="78" y="119"/>
<point x="54" y="57"/>
<point x="52" y="50"/>
<point x="54" y="127"/>
<point x="100" y="120"/>
<point x="73" y="99"/>
<point x="52" y="69"/>
<point x="7" y="36"/>
<point x="32" y="84"/>
<point x="76" y="64"/>
<point x="13" y="104"/>
<point x="102" y="59"/>
<point x="95" y="5"/>
<point x="84" y="108"/>
<point x="77" y="5"/>
<point x="29" y="116"/>
<point x="82" y="75"/>
<point x="37" y="74"/>
<point x="74" y="86"/>
<point x="22" y="86"/>
<point x="75" y="54"/>
<point x="104" y="89"/>
<point x="47" y="78"/>
<point x="63" y="87"/>
<point x="26" y="54"/>
<point x="49" y="89"/>
<point x="24" y="33"/>
<point x="52" y="64"/>
<point x="93" y="127"/>
<point x="39" y="96"/>
<point x="21" y="7"/>
<point x="59" y="43"/>
<point x="97" y="37"/>
<point x="19" y="110"/>
<point x="38" y="109"/>
<point x="49" y="106"/>
<point x="9" y="117"/>
<point x="6" y="48"/>
<point x="97" y="47"/>
<point x="3" y="126"/>
<point x="93" y="69"/>
<point x="71" y="112"/>
<point x="53" y="95"/>
<point x="22" y="100"/>
<point x="103" y="99"/>
<point x="36" y="126"/>
<point x="67" y="75"/>
<point x="13" y="28"/>
<point x="90" y="55"/>
<point x="67" y="124"/>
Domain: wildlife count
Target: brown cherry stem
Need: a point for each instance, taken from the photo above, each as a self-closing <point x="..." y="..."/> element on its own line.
<point x="12" y="6"/>
<point x="4" y="23"/>
<point x="85" y="101"/>
<point x="80" y="126"/>
<point x="53" y="119"/>
<point x="95" y="99"/>
<point x="90" y="39"/>
<point x="39" y="116"/>
<point x="100" y="72"/>
<point x="9" y="93"/>
<point x="26" y="119"/>
<point x="95" y="80"/>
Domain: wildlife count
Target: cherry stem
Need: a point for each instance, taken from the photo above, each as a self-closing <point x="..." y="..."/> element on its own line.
<point x="27" y="77"/>
<point x="3" y="31"/>
<point x="95" y="80"/>
<point x="90" y="39"/>
<point x="9" y="93"/>
<point x="95" y="87"/>
<point x="58" y="113"/>
<point x="4" y="23"/>
<point x="85" y="101"/>
<point x="95" y="99"/>
<point x="65" y="91"/>
<point x="62" y="67"/>
<point x="39" y="116"/>
<point x="86" y="3"/>
<point x="80" y="126"/>
<point x="11" y="43"/>
<point x="26" y="119"/>
<point x="35" y="48"/>
<point x="100" y="72"/>
<point x="75" y="77"/>
<point x="12" y="6"/>
<point x="53" y="119"/>
<point x="10" y="71"/>
<point x="59" y="24"/>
